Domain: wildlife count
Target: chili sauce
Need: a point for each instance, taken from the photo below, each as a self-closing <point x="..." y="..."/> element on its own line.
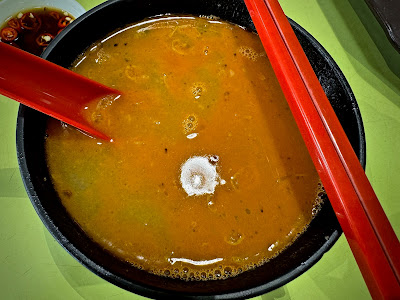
<point x="34" y="29"/>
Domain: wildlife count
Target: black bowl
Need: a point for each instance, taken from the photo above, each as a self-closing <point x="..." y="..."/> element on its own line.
<point x="322" y="233"/>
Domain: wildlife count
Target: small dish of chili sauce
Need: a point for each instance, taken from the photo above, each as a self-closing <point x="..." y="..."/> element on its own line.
<point x="34" y="29"/>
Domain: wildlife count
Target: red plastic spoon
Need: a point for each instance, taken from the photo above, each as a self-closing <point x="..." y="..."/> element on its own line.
<point x="367" y="229"/>
<point x="49" y="88"/>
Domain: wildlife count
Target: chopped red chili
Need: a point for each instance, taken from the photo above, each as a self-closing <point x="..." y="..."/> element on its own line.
<point x="8" y="34"/>
<point x="44" y="39"/>
<point x="35" y="28"/>
<point x="55" y="15"/>
<point x="64" y="21"/>
<point x="14" y="23"/>
<point x="30" y="21"/>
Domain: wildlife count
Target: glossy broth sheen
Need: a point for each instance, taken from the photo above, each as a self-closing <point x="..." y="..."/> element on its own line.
<point x="207" y="175"/>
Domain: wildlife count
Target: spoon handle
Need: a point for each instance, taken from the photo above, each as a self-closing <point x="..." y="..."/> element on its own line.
<point x="49" y="88"/>
<point x="368" y="231"/>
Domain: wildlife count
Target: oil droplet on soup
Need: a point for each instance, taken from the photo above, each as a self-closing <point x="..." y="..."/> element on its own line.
<point x="207" y="175"/>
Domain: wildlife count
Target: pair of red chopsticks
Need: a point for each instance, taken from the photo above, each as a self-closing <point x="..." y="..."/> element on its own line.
<point x="367" y="229"/>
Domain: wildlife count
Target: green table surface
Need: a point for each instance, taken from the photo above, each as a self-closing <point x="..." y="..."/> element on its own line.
<point x="34" y="266"/>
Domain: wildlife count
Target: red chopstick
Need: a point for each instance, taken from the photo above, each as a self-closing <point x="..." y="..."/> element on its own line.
<point x="364" y="223"/>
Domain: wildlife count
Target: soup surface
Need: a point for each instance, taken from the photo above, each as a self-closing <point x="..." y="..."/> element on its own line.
<point x="207" y="175"/>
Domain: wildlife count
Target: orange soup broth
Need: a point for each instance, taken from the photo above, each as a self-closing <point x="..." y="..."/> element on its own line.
<point x="191" y="87"/>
